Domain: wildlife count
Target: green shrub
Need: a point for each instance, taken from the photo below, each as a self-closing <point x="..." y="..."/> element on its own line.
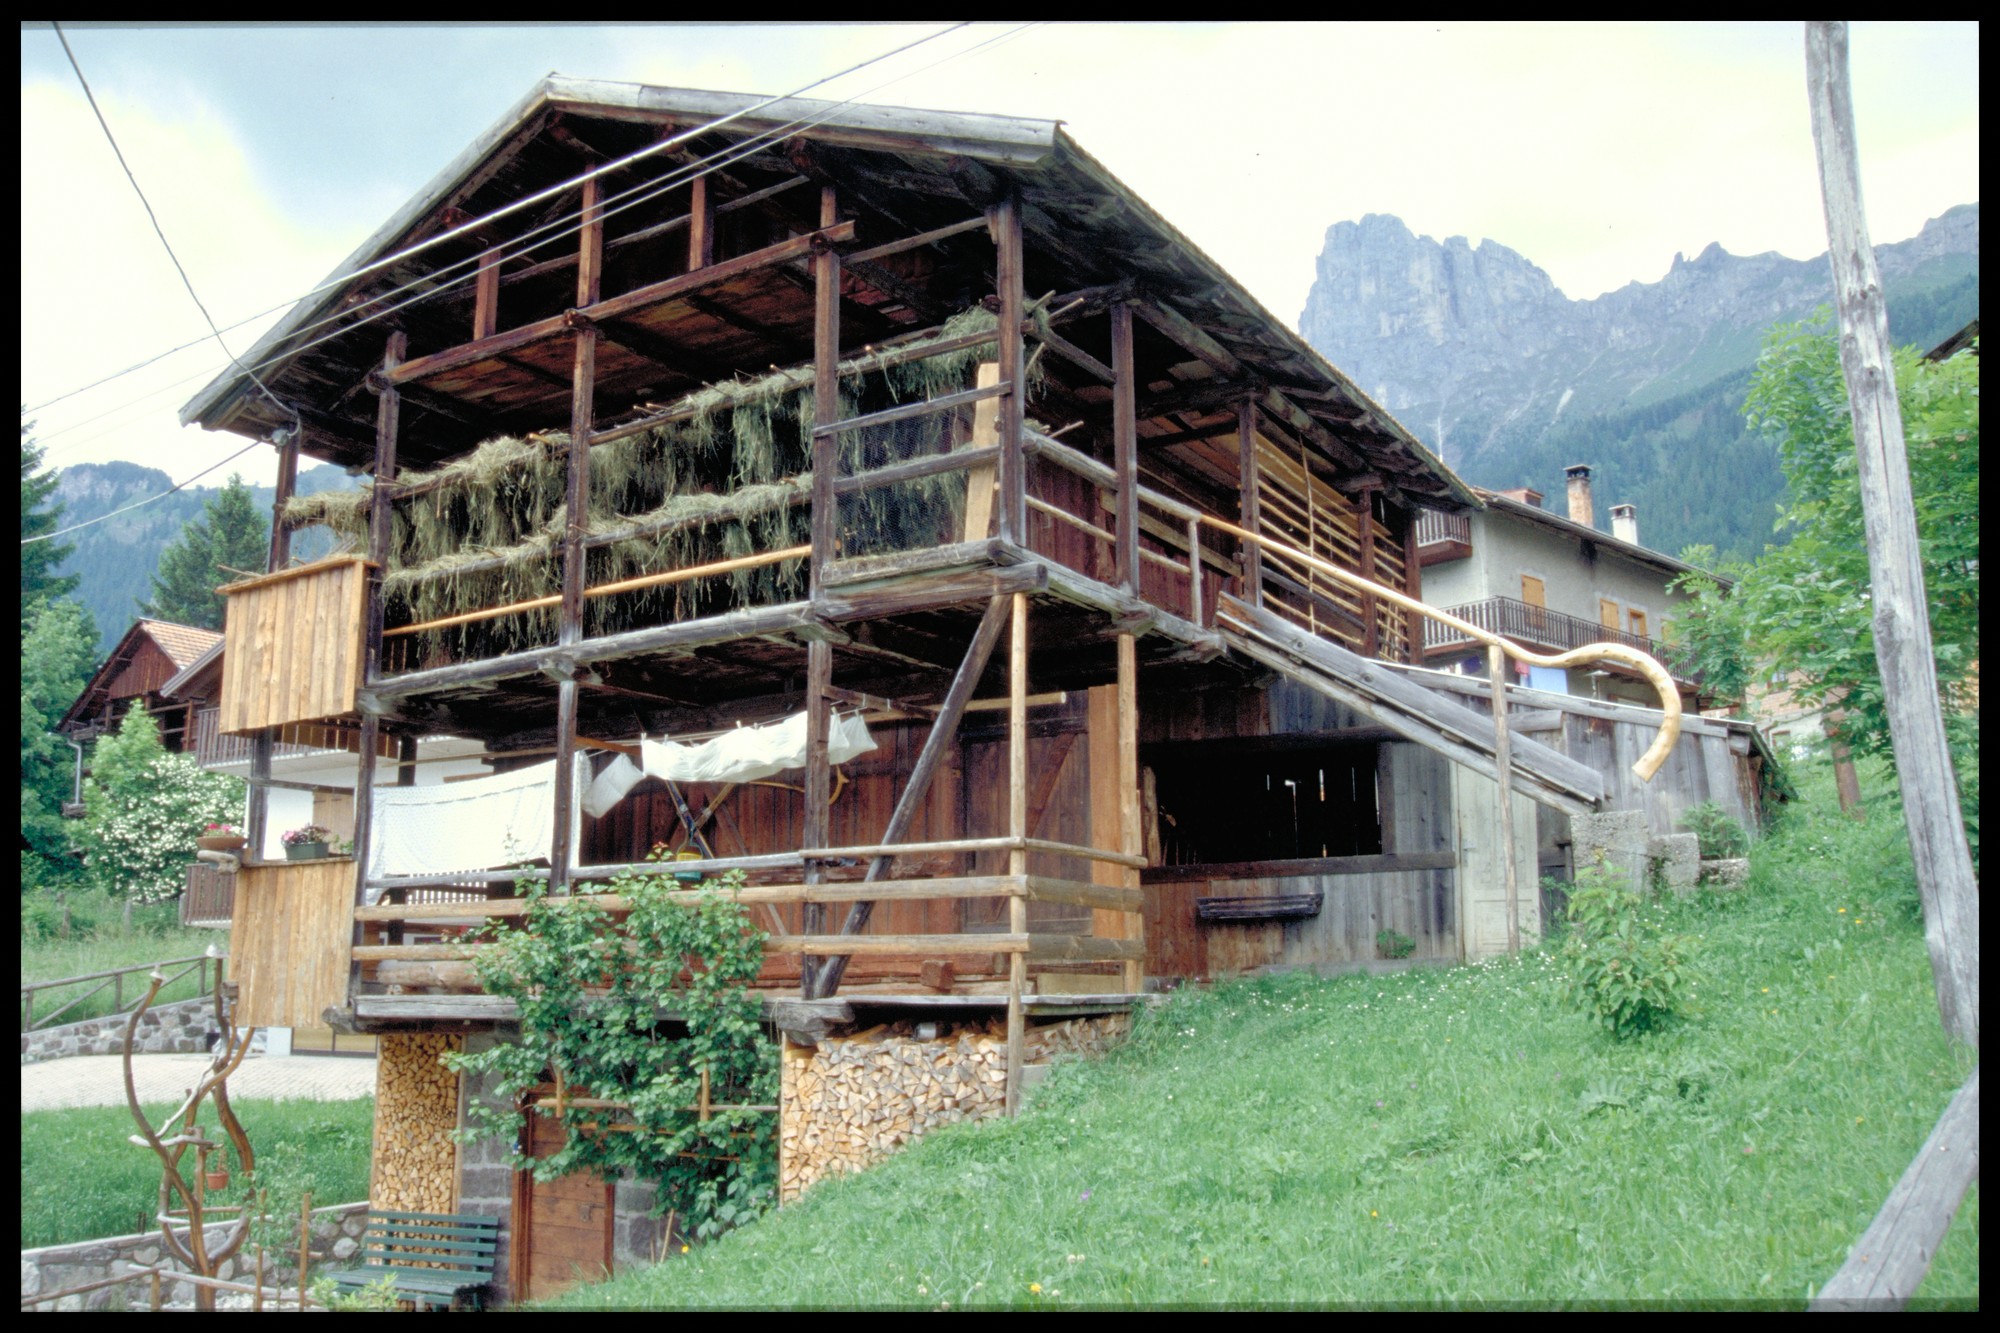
<point x="1618" y="964"/>
<point x="1721" y="833"/>
<point x="1394" y="944"/>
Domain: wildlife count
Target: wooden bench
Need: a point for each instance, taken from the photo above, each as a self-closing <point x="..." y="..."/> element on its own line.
<point x="434" y="1258"/>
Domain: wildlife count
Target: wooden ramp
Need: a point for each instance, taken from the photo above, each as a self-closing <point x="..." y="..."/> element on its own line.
<point x="1412" y="711"/>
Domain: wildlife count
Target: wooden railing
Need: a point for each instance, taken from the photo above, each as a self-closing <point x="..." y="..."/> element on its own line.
<point x="1537" y="625"/>
<point x="209" y="896"/>
<point x="115" y="979"/>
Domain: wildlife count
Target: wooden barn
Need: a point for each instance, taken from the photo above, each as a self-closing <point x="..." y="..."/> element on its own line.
<point x="135" y="675"/>
<point x="1080" y="588"/>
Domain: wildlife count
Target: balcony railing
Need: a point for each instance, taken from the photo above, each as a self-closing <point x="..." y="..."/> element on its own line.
<point x="1435" y="528"/>
<point x="1539" y="626"/>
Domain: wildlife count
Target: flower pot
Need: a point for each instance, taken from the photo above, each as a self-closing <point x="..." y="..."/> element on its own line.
<point x="221" y="842"/>
<point x="305" y="851"/>
<point x="216" y="1180"/>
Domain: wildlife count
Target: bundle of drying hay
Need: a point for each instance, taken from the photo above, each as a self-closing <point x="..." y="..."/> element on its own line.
<point x="727" y="474"/>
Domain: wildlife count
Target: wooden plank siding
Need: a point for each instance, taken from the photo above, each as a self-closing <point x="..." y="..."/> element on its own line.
<point x="289" y="941"/>
<point x="1302" y="509"/>
<point x="293" y="646"/>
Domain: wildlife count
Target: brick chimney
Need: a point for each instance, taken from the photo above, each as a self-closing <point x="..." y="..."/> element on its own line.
<point x="1625" y="523"/>
<point x="1580" y="508"/>
<point x="1526" y="495"/>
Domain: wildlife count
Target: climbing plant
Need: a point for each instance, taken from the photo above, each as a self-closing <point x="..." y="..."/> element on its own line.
<point x="592" y="992"/>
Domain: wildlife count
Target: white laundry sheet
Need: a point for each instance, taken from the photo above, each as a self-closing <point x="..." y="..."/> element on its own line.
<point x="477" y="824"/>
<point x="735" y="756"/>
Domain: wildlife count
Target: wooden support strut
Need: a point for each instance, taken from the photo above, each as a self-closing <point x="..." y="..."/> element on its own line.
<point x="1017" y="827"/>
<point x="388" y="421"/>
<point x="1013" y="508"/>
<point x="944" y="730"/>
<point x="1503" y="801"/>
<point x="1125" y="436"/>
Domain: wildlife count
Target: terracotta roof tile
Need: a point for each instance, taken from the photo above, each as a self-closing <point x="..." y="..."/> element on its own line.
<point x="182" y="643"/>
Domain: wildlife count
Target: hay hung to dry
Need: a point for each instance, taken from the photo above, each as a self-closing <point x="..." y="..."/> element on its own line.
<point x="729" y="476"/>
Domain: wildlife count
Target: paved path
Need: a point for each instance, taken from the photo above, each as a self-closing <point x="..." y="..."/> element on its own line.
<point x="99" y="1080"/>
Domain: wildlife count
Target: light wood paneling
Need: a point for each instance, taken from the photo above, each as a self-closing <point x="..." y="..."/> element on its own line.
<point x="289" y="941"/>
<point x="293" y="649"/>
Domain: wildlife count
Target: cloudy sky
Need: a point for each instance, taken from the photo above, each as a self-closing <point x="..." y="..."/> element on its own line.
<point x="269" y="153"/>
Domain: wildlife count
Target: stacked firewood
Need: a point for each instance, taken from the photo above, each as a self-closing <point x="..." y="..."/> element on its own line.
<point x="416" y="1108"/>
<point x="852" y="1100"/>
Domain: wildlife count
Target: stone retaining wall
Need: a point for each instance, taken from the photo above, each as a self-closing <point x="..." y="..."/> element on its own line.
<point x="851" y="1101"/>
<point x="183" y="1027"/>
<point x="336" y="1236"/>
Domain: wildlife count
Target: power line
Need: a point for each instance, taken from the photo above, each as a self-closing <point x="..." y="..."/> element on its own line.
<point x="153" y="218"/>
<point x="556" y="228"/>
<point x="136" y="504"/>
<point x="465" y="227"/>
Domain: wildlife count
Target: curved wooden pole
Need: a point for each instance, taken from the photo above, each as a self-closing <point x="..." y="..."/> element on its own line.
<point x="1655" y="674"/>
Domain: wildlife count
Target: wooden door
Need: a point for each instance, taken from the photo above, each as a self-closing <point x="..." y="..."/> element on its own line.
<point x="562" y="1230"/>
<point x="1607" y="613"/>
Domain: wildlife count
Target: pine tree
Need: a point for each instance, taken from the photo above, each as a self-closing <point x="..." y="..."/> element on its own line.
<point x="40" y="559"/>
<point x="229" y="536"/>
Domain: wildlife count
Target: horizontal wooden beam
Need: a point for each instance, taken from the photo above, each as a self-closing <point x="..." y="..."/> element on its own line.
<point x="485" y="349"/>
<point x="1394" y="863"/>
<point x="1082" y="949"/>
<point x="931" y="237"/>
<point x="897" y="946"/>
<point x="1077" y="893"/>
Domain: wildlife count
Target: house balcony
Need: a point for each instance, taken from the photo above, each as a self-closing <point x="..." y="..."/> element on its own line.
<point x="1540" y="628"/>
<point x="1442" y="537"/>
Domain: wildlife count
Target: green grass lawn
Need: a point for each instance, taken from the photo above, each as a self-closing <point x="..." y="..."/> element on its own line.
<point x="1454" y="1137"/>
<point x="80" y="1178"/>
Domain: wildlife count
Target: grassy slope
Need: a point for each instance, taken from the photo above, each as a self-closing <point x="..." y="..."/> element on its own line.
<point x="1443" y="1136"/>
<point x="81" y="1179"/>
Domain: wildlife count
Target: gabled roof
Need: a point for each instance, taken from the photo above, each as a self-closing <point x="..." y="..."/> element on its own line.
<point x="181" y="645"/>
<point x="1510" y="507"/>
<point x="900" y="171"/>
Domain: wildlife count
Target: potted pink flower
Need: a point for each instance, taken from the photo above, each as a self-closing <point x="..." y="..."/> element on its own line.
<point x="220" y="838"/>
<point x="307" y="843"/>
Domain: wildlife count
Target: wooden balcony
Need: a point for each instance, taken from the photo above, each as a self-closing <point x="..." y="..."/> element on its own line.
<point x="1442" y="537"/>
<point x="1539" y="627"/>
<point x="292" y="646"/>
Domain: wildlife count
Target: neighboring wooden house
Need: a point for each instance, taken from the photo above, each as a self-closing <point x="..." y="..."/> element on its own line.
<point x="817" y="408"/>
<point x="1553" y="583"/>
<point x="150" y="654"/>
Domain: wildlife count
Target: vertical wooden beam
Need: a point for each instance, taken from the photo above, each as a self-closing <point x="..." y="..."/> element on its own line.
<point x="406" y="761"/>
<point x="258" y="823"/>
<point x="576" y="525"/>
<point x="1132" y="832"/>
<point x="1017" y="859"/>
<point x="1006" y="226"/>
<point x="1364" y="540"/>
<point x="288" y="482"/>
<point x="1125" y="447"/>
<point x="388" y="423"/>
<point x="1413" y="588"/>
<point x="826" y="391"/>
<point x="819" y="800"/>
<point x="1946" y="883"/>
<point x="1249" y="555"/>
<point x="1503" y="800"/>
<point x="486" y="296"/>
<point x="701" y="226"/>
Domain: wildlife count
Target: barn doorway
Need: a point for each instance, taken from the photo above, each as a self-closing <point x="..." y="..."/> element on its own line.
<point x="562" y="1228"/>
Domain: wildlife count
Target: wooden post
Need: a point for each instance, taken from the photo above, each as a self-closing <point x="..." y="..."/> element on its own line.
<point x="1006" y="223"/>
<point x="288" y="481"/>
<point x="1249" y="554"/>
<point x="406" y="761"/>
<point x="305" y="1243"/>
<point x="701" y="225"/>
<point x="1503" y="800"/>
<point x="1413" y="588"/>
<point x="1017" y="827"/>
<point x="1846" y="782"/>
<point x="1132" y="832"/>
<point x="1125" y="448"/>
<point x="388" y="422"/>
<point x="576" y="527"/>
<point x="819" y="798"/>
<point x="258" y="822"/>
<point x="1364" y="537"/>
<point x="1945" y="880"/>
<point x="486" y="296"/>
<point x="826" y="393"/>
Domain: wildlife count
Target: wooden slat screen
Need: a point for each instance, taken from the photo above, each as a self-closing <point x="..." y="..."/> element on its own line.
<point x="289" y="940"/>
<point x="293" y="645"/>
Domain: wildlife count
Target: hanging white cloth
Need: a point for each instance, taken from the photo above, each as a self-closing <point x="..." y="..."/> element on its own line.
<point x="478" y="824"/>
<point x="753" y="752"/>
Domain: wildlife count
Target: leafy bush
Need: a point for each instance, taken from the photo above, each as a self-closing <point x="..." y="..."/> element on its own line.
<point x="1618" y="964"/>
<point x="144" y="810"/>
<point x="590" y="991"/>
<point x="1721" y="833"/>
<point x="1394" y="944"/>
